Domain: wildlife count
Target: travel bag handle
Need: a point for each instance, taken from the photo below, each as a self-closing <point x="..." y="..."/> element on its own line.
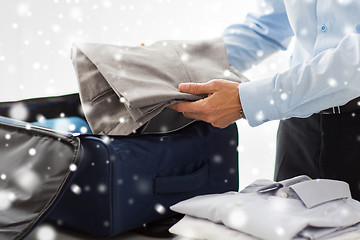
<point x="185" y="183"/>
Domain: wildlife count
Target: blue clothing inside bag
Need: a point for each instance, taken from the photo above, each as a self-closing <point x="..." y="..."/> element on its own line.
<point x="68" y="124"/>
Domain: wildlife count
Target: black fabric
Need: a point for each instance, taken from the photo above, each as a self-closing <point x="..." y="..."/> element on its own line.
<point x="321" y="146"/>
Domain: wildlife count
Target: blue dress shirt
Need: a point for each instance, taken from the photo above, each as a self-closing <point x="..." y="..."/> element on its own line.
<point x="324" y="67"/>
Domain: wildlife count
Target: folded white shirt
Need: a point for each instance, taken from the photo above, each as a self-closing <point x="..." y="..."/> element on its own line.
<point x="298" y="208"/>
<point x="197" y="228"/>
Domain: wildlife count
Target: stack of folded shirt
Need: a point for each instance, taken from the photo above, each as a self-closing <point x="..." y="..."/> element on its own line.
<point x="298" y="208"/>
<point x="122" y="88"/>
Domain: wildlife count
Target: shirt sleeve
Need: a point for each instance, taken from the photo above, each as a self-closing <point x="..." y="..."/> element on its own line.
<point x="331" y="78"/>
<point x="261" y="34"/>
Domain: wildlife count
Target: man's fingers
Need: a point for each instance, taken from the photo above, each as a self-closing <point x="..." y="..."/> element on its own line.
<point x="198" y="88"/>
<point x="174" y="106"/>
<point x="188" y="106"/>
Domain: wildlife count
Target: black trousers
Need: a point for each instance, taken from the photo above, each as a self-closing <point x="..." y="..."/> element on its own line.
<point x="321" y="146"/>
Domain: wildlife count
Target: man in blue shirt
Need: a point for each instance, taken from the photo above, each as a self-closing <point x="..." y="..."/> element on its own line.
<point x="324" y="73"/>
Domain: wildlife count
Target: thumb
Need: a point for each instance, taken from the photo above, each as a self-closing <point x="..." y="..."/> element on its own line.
<point x="197" y="88"/>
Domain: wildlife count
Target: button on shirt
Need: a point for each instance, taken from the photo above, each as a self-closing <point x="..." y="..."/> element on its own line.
<point x="325" y="65"/>
<point x="298" y="208"/>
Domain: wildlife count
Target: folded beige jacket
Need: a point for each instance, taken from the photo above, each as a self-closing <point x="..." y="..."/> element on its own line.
<point x="122" y="88"/>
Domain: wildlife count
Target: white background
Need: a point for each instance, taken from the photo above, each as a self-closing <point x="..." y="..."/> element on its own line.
<point x="36" y="37"/>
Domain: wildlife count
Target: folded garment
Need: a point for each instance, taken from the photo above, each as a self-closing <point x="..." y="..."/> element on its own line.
<point x="298" y="208"/>
<point x="197" y="228"/>
<point x="190" y="228"/>
<point x="122" y="88"/>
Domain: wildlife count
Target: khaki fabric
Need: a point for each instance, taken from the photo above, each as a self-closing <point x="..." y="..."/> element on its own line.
<point x="122" y="88"/>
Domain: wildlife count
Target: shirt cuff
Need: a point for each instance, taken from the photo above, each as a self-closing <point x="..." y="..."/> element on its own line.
<point x="257" y="102"/>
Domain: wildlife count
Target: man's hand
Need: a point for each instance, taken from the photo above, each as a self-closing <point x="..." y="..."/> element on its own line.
<point x="220" y="108"/>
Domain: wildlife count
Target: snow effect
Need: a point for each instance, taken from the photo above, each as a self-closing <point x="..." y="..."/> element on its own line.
<point x="131" y="201"/>
<point x="163" y="128"/>
<point x="217" y="159"/>
<point x="75" y="189"/>
<point x="71" y="127"/>
<point x="3" y="176"/>
<point x="240" y="148"/>
<point x="344" y="212"/>
<point x="23" y="9"/>
<point x="260" y="116"/>
<point x="121" y="120"/>
<point x="237" y="219"/>
<point x="304" y="32"/>
<point x="72" y="167"/>
<point x="232" y="142"/>
<point x="260" y="53"/>
<point x="102" y="188"/>
<point x="83" y="129"/>
<point x="5" y="200"/>
<point x="117" y="57"/>
<point x="86" y="108"/>
<point x="227" y="73"/>
<point x="36" y="66"/>
<point x="160" y="208"/>
<point x="120" y="181"/>
<point x="32" y="151"/>
<point x="284" y="96"/>
<point x="143" y="186"/>
<point x="40" y="118"/>
<point x="19" y="112"/>
<point x="106" y="139"/>
<point x="27" y="179"/>
<point x="87" y="188"/>
<point x="7" y="136"/>
<point x="45" y="232"/>
<point x="280" y="231"/>
<point x="184" y="57"/>
<point x="255" y="171"/>
<point x="332" y="82"/>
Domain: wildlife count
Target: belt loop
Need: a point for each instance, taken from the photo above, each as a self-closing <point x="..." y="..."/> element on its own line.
<point x="338" y="110"/>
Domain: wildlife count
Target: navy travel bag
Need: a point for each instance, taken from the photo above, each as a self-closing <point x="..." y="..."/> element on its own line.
<point x="124" y="182"/>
